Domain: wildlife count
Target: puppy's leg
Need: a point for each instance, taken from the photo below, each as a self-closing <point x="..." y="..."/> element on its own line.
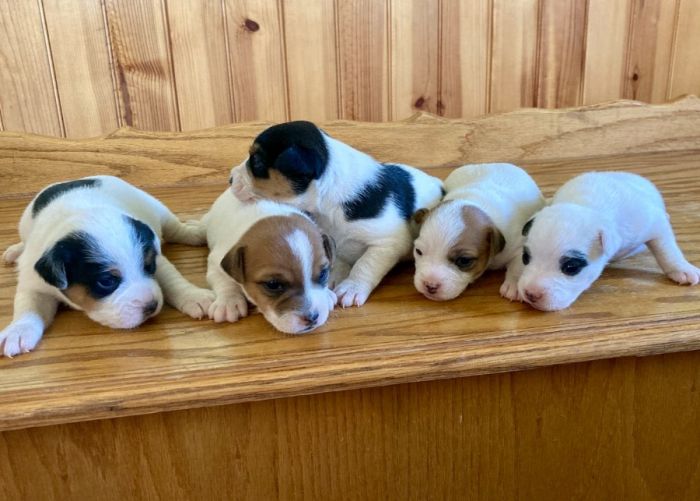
<point x="509" y="288"/>
<point x="189" y="233"/>
<point x="13" y="252"/>
<point x="33" y="313"/>
<point x="180" y="292"/>
<point x="230" y="303"/>
<point x="366" y="274"/>
<point x="670" y="257"/>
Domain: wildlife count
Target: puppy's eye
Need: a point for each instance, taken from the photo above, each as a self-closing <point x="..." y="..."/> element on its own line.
<point x="323" y="276"/>
<point x="106" y="283"/>
<point x="526" y="256"/>
<point x="464" y="262"/>
<point x="274" y="287"/>
<point x="572" y="265"/>
<point x="419" y="252"/>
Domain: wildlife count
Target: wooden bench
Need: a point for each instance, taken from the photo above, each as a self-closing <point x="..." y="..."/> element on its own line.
<point x="403" y="398"/>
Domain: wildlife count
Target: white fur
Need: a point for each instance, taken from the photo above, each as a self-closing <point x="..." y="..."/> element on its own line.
<point x="506" y="193"/>
<point x="99" y="211"/>
<point x="367" y="248"/>
<point x="226" y="223"/>
<point x="607" y="216"/>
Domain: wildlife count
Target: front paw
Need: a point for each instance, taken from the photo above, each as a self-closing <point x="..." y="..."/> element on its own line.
<point x="685" y="275"/>
<point x="20" y="337"/>
<point x="195" y="302"/>
<point x="195" y="233"/>
<point x="352" y="293"/>
<point x="13" y="252"/>
<point x="228" y="309"/>
<point x="509" y="290"/>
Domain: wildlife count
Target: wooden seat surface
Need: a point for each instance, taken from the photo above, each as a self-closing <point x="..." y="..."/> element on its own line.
<point x="82" y="371"/>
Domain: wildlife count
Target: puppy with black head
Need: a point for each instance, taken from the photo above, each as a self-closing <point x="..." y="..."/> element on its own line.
<point x="593" y="219"/>
<point x="94" y="244"/>
<point x="363" y="204"/>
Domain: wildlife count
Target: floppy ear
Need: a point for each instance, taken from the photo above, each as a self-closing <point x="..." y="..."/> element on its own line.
<point x="144" y="234"/>
<point x="498" y="241"/>
<point x="297" y="161"/>
<point x="419" y="216"/>
<point x="609" y="242"/>
<point x="233" y="263"/>
<point x="52" y="266"/>
<point x="329" y="247"/>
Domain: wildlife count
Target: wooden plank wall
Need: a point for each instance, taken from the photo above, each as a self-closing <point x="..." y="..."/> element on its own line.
<point x="81" y="68"/>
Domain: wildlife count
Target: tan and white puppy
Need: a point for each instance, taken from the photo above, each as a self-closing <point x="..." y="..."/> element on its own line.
<point x="94" y="244"/>
<point x="593" y="219"/>
<point x="275" y="256"/>
<point x="477" y="227"/>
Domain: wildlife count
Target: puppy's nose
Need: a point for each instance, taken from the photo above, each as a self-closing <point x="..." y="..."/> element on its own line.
<point x="431" y="287"/>
<point x="150" y="308"/>
<point x="533" y="295"/>
<point x="311" y="317"/>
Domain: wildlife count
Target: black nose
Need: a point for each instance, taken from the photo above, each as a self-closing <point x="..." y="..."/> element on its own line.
<point x="310" y="318"/>
<point x="150" y="308"/>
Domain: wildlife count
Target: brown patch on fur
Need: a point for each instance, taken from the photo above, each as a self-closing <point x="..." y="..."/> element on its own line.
<point x="263" y="254"/>
<point x="276" y="187"/>
<point x="80" y="295"/>
<point x="480" y="239"/>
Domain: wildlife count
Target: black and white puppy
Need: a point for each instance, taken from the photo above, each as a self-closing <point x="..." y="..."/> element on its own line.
<point x="363" y="204"/>
<point x="94" y="244"/>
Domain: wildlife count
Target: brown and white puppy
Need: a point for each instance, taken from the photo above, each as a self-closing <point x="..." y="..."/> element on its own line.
<point x="273" y="255"/>
<point x="476" y="227"/>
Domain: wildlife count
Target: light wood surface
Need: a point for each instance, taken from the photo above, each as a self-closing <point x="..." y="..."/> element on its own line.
<point x="83" y="371"/>
<point x="78" y="68"/>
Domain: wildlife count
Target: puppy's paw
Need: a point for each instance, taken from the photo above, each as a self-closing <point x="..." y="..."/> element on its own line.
<point x="352" y="293"/>
<point x="12" y="253"/>
<point x="195" y="302"/>
<point x="19" y="337"/>
<point x="685" y="275"/>
<point x="194" y="233"/>
<point x="228" y="309"/>
<point x="509" y="290"/>
<point x="332" y="299"/>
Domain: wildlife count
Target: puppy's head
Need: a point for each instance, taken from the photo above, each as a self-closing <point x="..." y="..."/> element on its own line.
<point x="283" y="162"/>
<point x="283" y="264"/>
<point x="565" y="250"/>
<point x="455" y="245"/>
<point x="107" y="270"/>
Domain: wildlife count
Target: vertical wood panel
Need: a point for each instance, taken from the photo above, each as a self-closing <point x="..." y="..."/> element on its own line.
<point x="465" y="54"/>
<point x="310" y="39"/>
<point x="200" y="63"/>
<point x="256" y="59"/>
<point x="651" y="41"/>
<point x="685" y="70"/>
<point x="81" y="59"/>
<point x="561" y="53"/>
<point x="362" y="56"/>
<point x="413" y="57"/>
<point x="514" y="55"/>
<point x="27" y="95"/>
<point x="606" y="50"/>
<point x="142" y="61"/>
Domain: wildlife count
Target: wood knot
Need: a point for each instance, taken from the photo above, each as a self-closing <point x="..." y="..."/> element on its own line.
<point x="251" y="25"/>
<point x="419" y="102"/>
<point x="635" y="76"/>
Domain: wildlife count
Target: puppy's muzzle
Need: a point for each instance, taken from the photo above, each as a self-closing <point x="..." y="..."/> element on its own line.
<point x="150" y="309"/>
<point x="310" y="318"/>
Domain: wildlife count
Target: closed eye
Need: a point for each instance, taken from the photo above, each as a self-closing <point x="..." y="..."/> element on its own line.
<point x="464" y="262"/>
<point x="323" y="276"/>
<point x="526" y="256"/>
<point x="572" y="266"/>
<point x="105" y="284"/>
<point x="273" y="287"/>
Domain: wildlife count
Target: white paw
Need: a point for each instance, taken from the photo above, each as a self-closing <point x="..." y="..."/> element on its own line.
<point x="351" y="293"/>
<point x="240" y="184"/>
<point x="196" y="302"/>
<point x="228" y="309"/>
<point x="20" y="337"/>
<point x="332" y="299"/>
<point x="13" y="252"/>
<point x="509" y="290"/>
<point x="194" y="233"/>
<point x="686" y="275"/>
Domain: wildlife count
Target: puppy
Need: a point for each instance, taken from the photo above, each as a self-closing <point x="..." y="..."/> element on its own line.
<point x="475" y="228"/>
<point x="273" y="255"/>
<point x="94" y="244"/>
<point x="593" y="219"/>
<point x="363" y="204"/>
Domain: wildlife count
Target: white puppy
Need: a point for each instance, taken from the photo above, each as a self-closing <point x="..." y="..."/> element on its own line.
<point x="477" y="227"/>
<point x="275" y="256"/>
<point x="94" y="244"/>
<point x="363" y="204"/>
<point x="593" y="219"/>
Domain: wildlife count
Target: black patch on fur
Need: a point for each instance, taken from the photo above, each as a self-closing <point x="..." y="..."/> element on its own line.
<point x="443" y="191"/>
<point x="572" y="263"/>
<point x="392" y="184"/>
<point x="73" y="260"/>
<point x="55" y="191"/>
<point x="146" y="237"/>
<point x="296" y="149"/>
<point x="528" y="225"/>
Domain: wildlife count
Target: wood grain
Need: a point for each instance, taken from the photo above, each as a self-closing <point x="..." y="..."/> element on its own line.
<point x="82" y="371"/>
<point x="685" y="70"/>
<point x="610" y="429"/>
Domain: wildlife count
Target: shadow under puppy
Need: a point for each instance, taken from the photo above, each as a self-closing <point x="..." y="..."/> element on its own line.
<point x="94" y="244"/>
<point x="275" y="256"/>
<point x="593" y="219"/>
<point x="477" y="227"/>
<point x="363" y="204"/>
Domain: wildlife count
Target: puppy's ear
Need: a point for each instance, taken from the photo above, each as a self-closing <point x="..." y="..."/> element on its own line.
<point x="233" y="263"/>
<point x="497" y="240"/>
<point x="419" y="216"/>
<point x="52" y="266"/>
<point x="329" y="247"/>
<point x="299" y="162"/>
<point x="609" y="242"/>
